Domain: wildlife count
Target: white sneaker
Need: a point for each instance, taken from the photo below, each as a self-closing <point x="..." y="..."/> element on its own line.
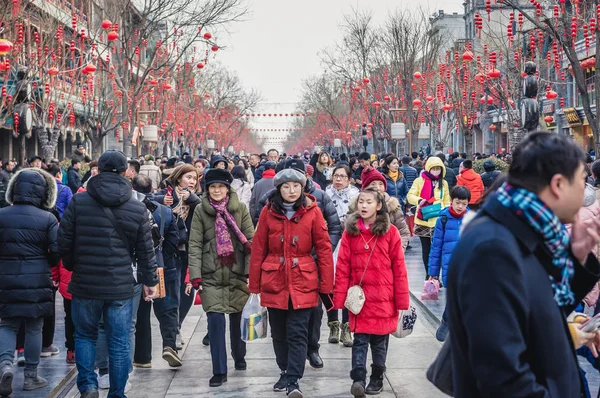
<point x="127" y="387"/>
<point x="103" y="382"/>
<point x="179" y="341"/>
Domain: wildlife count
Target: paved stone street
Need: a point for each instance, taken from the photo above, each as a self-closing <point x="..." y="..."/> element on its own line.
<point x="407" y="361"/>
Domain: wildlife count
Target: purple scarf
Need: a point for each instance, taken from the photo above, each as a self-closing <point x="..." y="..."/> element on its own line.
<point x="223" y="219"/>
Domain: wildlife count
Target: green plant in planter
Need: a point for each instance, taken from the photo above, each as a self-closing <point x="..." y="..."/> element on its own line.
<point x="500" y="165"/>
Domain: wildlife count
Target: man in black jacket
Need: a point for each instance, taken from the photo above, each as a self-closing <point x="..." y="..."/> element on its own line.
<point x="105" y="239"/>
<point x="74" y="176"/>
<point x="490" y="174"/>
<point x="335" y="234"/>
<point x="515" y="275"/>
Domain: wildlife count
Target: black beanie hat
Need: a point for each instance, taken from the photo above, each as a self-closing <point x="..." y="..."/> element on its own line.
<point x="218" y="176"/>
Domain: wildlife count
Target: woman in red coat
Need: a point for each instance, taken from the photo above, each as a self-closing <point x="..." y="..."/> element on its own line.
<point x="371" y="250"/>
<point x="284" y="272"/>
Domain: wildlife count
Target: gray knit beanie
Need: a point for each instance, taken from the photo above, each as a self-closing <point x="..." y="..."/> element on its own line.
<point x="289" y="175"/>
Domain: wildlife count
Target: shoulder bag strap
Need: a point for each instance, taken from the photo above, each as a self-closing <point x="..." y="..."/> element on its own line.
<point x="111" y="216"/>
<point x="163" y="216"/>
<point x="368" y="261"/>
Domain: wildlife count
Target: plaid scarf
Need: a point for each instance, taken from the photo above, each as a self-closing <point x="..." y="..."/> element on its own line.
<point x="528" y="207"/>
<point x="223" y="219"/>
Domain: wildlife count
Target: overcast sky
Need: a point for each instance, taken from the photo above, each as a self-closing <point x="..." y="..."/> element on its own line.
<point x="278" y="44"/>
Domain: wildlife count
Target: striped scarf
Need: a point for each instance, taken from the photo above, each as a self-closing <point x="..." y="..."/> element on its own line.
<point x="528" y="207"/>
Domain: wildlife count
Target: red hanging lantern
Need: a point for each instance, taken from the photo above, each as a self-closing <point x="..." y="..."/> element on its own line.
<point x="5" y="46"/>
<point x="106" y="24"/>
<point x="207" y="36"/>
<point x="417" y="75"/>
<point x="386" y="98"/>
<point x="467" y="56"/>
<point x="215" y="48"/>
<point x="112" y="36"/>
<point x="494" y="74"/>
<point x="548" y="119"/>
<point x="551" y="94"/>
<point x="493" y="127"/>
<point x="366" y="80"/>
<point x="200" y="65"/>
<point x="377" y="104"/>
<point x="417" y="102"/>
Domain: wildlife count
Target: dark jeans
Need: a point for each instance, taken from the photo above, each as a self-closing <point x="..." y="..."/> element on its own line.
<point x="9" y="327"/>
<point x="425" y="249"/>
<point x="185" y="301"/>
<point x="360" y="348"/>
<point x="69" y="327"/>
<point x="314" y="328"/>
<point x="166" y="310"/>
<point x="334" y="316"/>
<point x="47" y="329"/>
<point x="218" y="348"/>
<point x="445" y="315"/>
<point x="117" y="316"/>
<point x="289" y="331"/>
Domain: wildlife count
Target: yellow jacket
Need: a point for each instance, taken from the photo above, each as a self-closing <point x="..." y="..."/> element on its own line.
<point x="414" y="195"/>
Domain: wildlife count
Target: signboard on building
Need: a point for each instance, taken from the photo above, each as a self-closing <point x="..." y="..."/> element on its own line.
<point x="398" y="131"/>
<point x="572" y="117"/>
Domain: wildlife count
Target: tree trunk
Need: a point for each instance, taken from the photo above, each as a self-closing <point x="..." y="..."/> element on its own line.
<point x="468" y="142"/>
<point x="127" y="147"/>
<point x="96" y="146"/>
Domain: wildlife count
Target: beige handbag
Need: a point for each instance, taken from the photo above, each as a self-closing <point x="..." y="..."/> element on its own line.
<point x="355" y="298"/>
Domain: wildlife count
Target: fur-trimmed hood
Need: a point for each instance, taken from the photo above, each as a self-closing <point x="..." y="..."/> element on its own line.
<point x="379" y="227"/>
<point x="392" y="204"/>
<point x="32" y="186"/>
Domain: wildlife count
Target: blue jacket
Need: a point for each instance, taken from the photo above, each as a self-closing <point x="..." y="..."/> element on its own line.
<point x="398" y="189"/>
<point x="445" y="238"/>
<point x="63" y="197"/>
<point x="410" y="174"/>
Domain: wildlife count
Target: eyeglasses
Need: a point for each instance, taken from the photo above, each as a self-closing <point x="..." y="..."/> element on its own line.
<point x="340" y="176"/>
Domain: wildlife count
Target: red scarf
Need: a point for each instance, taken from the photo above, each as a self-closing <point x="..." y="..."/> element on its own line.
<point x="455" y="214"/>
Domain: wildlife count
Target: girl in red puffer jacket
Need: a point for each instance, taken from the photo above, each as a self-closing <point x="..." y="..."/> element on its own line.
<point x="371" y="252"/>
<point x="61" y="278"/>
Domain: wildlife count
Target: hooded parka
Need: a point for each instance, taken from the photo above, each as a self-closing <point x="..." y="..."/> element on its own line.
<point x="385" y="281"/>
<point x="224" y="289"/>
<point x="28" y="246"/>
<point x="282" y="266"/>
<point x="441" y="195"/>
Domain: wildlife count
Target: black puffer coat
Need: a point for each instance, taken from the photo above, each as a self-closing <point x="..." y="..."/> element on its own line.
<point x="323" y="202"/>
<point x="91" y="247"/>
<point x="28" y="247"/>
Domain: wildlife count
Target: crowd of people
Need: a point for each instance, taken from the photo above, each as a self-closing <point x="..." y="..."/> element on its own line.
<point x="134" y="235"/>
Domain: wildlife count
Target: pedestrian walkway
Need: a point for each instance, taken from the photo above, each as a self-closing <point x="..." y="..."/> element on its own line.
<point x="407" y="362"/>
<point x="54" y="368"/>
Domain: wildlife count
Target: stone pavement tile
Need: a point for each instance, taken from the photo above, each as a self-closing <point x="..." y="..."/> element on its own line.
<point x="412" y="383"/>
<point x="53" y="368"/>
<point x="239" y="387"/>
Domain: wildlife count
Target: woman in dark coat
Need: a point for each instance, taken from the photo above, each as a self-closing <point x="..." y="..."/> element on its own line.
<point x="220" y="242"/>
<point x="28" y="251"/>
<point x="180" y="194"/>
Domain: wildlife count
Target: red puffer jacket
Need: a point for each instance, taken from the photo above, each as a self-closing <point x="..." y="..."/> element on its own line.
<point x="281" y="263"/>
<point x="385" y="282"/>
<point x="63" y="277"/>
